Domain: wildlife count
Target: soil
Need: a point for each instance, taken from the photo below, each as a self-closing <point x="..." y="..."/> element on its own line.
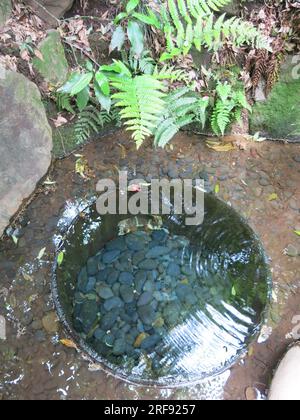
<point x="262" y="183"/>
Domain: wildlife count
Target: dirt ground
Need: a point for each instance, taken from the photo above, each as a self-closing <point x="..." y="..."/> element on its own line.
<point x="262" y="183"/>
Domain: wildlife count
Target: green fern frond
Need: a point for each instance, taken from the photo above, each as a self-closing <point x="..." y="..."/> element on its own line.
<point x="192" y="22"/>
<point x="141" y="100"/>
<point x="221" y="116"/>
<point x="63" y="102"/>
<point x="181" y="109"/>
<point x="91" y="120"/>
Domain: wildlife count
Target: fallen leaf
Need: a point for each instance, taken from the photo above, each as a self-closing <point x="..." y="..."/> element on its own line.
<point x="297" y="232"/>
<point x="251" y="351"/>
<point x="39" y="55"/>
<point x="27" y="277"/>
<point x="59" y="121"/>
<point x="220" y="147"/>
<point x="217" y="188"/>
<point x="60" y="258"/>
<point x="41" y="254"/>
<point x="233" y="291"/>
<point x="273" y="197"/>
<point x="68" y="343"/>
<point x="15" y="239"/>
<point x="25" y="55"/>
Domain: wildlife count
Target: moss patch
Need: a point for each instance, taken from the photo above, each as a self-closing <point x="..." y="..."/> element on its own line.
<point x="54" y="66"/>
<point x="279" y="116"/>
<point x="64" y="140"/>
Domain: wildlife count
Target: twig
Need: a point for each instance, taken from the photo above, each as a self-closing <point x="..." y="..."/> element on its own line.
<point x="82" y="50"/>
<point x="47" y="11"/>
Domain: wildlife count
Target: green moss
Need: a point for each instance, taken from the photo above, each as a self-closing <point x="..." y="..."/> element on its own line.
<point x="54" y="66"/>
<point x="279" y="116"/>
<point x="64" y="141"/>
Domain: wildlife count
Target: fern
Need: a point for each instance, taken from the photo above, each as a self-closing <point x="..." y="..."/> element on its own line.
<point x="228" y="107"/>
<point x="63" y="102"/>
<point x="141" y="100"/>
<point x="182" y="107"/>
<point x="91" y="120"/>
<point x="188" y="23"/>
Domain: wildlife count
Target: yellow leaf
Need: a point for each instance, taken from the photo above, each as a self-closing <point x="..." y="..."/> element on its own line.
<point x="68" y="343"/>
<point x="273" y="197"/>
<point x="217" y="188"/>
<point x="297" y="232"/>
<point x="251" y="351"/>
<point x="27" y="277"/>
<point x="220" y="147"/>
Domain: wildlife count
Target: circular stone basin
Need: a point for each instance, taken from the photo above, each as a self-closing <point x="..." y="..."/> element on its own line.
<point x="156" y="302"/>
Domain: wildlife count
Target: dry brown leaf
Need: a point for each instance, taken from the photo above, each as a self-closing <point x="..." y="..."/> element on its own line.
<point x="38" y="54"/>
<point x="59" y="121"/>
<point x="25" y="55"/>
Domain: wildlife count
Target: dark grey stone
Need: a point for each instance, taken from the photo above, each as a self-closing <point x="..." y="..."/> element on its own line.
<point x="117" y="244"/>
<point x="112" y="303"/>
<point x="157" y="251"/>
<point x="147" y="314"/>
<point x="144" y="299"/>
<point x="148" y="264"/>
<point x="110" y="256"/>
<point x="126" y="293"/>
<point x="104" y="291"/>
<point x="173" y="270"/>
<point x="126" y="278"/>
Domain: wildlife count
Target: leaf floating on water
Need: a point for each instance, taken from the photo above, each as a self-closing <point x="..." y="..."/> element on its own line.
<point x="68" y="343"/>
<point x="233" y="291"/>
<point x="41" y="254"/>
<point x="220" y="147"/>
<point x="273" y="197"/>
<point x="60" y="258"/>
<point x="27" y="277"/>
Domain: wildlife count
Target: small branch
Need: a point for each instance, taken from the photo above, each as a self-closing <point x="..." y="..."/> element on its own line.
<point x="82" y="50"/>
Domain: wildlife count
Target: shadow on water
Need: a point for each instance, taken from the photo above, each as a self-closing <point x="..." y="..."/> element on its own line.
<point x="206" y="292"/>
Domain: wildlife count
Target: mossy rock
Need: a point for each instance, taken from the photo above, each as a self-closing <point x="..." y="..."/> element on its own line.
<point x="64" y="140"/>
<point x="54" y="66"/>
<point x="5" y="11"/>
<point x="279" y="116"/>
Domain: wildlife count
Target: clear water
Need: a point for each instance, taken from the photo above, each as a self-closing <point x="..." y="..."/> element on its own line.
<point x="199" y="307"/>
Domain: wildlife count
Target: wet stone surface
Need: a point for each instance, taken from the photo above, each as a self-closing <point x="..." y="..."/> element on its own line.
<point x="34" y="362"/>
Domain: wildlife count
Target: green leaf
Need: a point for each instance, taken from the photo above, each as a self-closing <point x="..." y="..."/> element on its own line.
<point x="217" y="188"/>
<point x="148" y="19"/>
<point x="15" y="239"/>
<point x="60" y="258"/>
<point x="103" y="83"/>
<point x="120" y="17"/>
<point x="82" y="98"/>
<point x="131" y="5"/>
<point x="105" y="101"/>
<point x="117" y="40"/>
<point x="76" y="83"/>
<point x="297" y="232"/>
<point x="136" y="37"/>
<point x="233" y="291"/>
